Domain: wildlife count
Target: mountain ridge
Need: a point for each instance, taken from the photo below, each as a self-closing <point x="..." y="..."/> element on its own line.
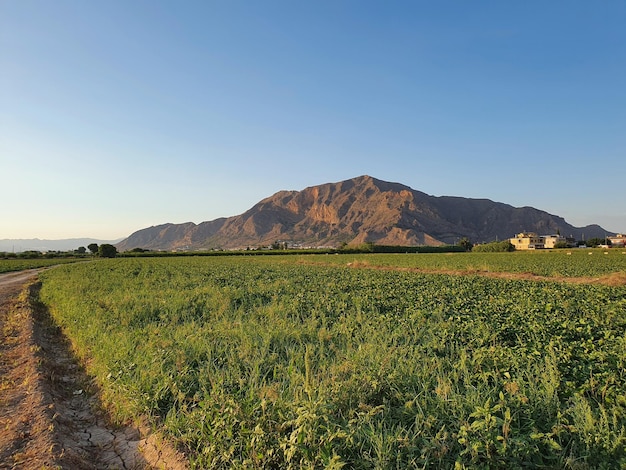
<point x="355" y="211"/>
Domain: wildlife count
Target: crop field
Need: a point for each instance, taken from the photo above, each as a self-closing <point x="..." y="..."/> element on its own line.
<point x="322" y="362"/>
<point x="12" y="265"/>
<point x="550" y="263"/>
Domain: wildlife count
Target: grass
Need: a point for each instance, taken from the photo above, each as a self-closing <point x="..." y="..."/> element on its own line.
<point x="13" y="265"/>
<point x="550" y="263"/>
<point x="275" y="362"/>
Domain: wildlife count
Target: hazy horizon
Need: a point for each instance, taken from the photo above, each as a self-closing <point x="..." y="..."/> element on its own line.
<point x="117" y="116"/>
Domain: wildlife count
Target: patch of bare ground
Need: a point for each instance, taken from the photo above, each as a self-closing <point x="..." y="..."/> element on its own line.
<point x="50" y="415"/>
<point x="26" y="438"/>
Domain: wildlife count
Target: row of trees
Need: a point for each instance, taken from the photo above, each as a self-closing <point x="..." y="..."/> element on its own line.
<point x="110" y="251"/>
<point x="507" y="246"/>
<point x="595" y="242"/>
<point x="105" y="250"/>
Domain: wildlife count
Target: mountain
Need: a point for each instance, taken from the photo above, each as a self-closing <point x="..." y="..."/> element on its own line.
<point x="362" y="209"/>
<point x="16" y="245"/>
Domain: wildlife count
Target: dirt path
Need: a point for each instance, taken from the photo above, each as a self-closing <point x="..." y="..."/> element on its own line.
<point x="50" y="416"/>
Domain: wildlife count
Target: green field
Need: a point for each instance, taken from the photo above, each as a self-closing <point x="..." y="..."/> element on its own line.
<point x="306" y="362"/>
<point x="550" y="263"/>
<point x="12" y="265"/>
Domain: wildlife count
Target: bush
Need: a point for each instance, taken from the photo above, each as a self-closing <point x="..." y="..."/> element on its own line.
<point x="493" y="247"/>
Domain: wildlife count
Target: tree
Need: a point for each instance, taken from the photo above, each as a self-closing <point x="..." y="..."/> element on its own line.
<point x="81" y="250"/>
<point x="93" y="247"/>
<point x="107" y="251"/>
<point x="465" y="244"/>
<point x="594" y="242"/>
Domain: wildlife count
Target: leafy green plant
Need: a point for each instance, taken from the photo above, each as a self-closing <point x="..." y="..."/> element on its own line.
<point x="292" y="362"/>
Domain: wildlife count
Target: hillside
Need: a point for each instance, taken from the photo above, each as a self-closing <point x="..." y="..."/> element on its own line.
<point x="358" y="210"/>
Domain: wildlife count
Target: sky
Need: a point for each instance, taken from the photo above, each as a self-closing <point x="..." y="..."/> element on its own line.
<point x="118" y="115"/>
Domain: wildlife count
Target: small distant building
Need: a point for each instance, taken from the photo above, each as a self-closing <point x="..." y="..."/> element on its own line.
<point x="550" y="241"/>
<point x="618" y="241"/>
<point x="527" y="241"/>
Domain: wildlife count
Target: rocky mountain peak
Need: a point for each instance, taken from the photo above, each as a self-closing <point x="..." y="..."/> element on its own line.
<point x="358" y="210"/>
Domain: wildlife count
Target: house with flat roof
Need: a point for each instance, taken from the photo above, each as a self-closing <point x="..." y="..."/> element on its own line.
<point x="527" y="241"/>
<point x="618" y="241"/>
<point x="550" y="241"/>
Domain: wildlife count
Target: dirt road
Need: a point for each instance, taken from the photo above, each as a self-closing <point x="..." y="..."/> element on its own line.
<point x="50" y="416"/>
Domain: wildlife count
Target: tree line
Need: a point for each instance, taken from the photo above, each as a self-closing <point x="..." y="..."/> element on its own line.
<point x="106" y="250"/>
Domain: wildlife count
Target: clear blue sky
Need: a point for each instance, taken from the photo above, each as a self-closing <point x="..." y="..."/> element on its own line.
<point x="119" y="115"/>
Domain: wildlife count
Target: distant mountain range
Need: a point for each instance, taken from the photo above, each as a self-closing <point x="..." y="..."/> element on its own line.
<point x="355" y="211"/>
<point x="18" y="245"/>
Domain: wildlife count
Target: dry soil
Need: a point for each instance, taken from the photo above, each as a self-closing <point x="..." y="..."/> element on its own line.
<point x="50" y="416"/>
